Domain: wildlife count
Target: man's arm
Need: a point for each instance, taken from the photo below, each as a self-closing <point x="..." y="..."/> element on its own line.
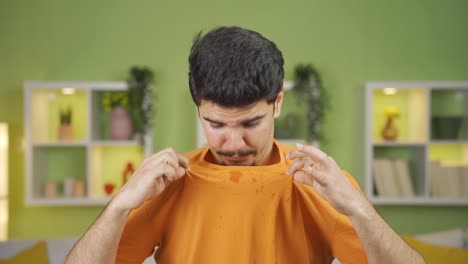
<point x="381" y="243"/>
<point x="99" y="244"/>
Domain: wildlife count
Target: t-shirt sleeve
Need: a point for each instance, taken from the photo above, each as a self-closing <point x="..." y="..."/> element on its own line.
<point x="346" y="245"/>
<point x="137" y="242"/>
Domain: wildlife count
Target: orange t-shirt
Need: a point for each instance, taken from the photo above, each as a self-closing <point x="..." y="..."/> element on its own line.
<point x="239" y="214"/>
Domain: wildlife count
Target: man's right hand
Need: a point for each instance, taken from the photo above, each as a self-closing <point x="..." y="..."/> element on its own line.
<point x="153" y="175"/>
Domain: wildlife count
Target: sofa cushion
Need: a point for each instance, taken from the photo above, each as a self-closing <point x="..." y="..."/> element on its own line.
<point x="58" y="249"/>
<point x="36" y="254"/>
<point x="450" y="238"/>
<point x="434" y="254"/>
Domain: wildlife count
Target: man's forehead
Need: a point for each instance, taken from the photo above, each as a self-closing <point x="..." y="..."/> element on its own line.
<point x="211" y="110"/>
<point x="214" y="106"/>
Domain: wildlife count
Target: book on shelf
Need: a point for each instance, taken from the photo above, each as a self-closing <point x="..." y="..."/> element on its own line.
<point x="392" y="178"/>
<point x="464" y="182"/>
<point x="378" y="177"/>
<point x="451" y="181"/>
<point x="403" y="178"/>
<point x="448" y="180"/>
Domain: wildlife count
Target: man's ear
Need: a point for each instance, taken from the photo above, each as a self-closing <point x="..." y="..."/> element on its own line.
<point x="278" y="103"/>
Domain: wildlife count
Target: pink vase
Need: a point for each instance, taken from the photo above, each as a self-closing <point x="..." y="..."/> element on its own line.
<point x="120" y="125"/>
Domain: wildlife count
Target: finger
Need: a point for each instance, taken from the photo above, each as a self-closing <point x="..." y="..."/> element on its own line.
<point x="303" y="177"/>
<point x="183" y="161"/>
<point x="318" y="175"/>
<point x="169" y="172"/>
<point x="174" y="159"/>
<point x="179" y="173"/>
<point x="308" y="151"/>
<point x="159" y="186"/>
<point x="299" y="164"/>
<point x="165" y="153"/>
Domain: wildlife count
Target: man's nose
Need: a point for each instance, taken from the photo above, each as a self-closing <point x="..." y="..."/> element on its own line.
<point x="234" y="140"/>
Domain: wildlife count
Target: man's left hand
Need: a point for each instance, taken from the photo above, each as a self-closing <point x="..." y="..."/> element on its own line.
<point x="315" y="168"/>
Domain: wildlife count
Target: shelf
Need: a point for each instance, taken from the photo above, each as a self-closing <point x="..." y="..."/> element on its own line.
<point x="449" y="142"/>
<point x="418" y="201"/>
<point x="69" y="201"/>
<point x="111" y="143"/>
<point x="413" y="107"/>
<point x="397" y="144"/>
<point x="60" y="144"/>
<point x="66" y="168"/>
<point x="108" y="162"/>
<point x="45" y="107"/>
<point x="54" y="165"/>
<point x="431" y="147"/>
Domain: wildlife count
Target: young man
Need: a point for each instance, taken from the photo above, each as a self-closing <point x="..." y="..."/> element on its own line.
<point x="244" y="198"/>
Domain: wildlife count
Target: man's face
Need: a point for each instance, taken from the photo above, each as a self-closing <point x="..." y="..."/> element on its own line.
<point x="240" y="136"/>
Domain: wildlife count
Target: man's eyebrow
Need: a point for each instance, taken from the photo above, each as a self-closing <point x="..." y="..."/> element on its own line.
<point x="243" y="122"/>
<point x="253" y="119"/>
<point x="212" y="121"/>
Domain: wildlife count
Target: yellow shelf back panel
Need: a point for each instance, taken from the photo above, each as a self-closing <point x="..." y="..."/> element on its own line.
<point x="108" y="165"/>
<point x="412" y="105"/>
<point x="449" y="153"/>
<point x="46" y="106"/>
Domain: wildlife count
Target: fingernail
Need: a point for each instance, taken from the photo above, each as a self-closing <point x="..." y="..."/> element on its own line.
<point x="308" y="168"/>
<point x="299" y="146"/>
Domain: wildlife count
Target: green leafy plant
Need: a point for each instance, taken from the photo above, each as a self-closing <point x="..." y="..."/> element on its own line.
<point x="140" y="98"/>
<point x="113" y="99"/>
<point x="65" y="116"/>
<point x="309" y="89"/>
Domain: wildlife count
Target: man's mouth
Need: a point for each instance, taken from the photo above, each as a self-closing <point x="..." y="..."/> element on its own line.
<point x="236" y="158"/>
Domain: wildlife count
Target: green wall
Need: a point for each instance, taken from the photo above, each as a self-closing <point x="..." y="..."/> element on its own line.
<point x="349" y="42"/>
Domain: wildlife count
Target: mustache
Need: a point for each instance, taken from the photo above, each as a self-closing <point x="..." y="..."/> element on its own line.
<point x="240" y="153"/>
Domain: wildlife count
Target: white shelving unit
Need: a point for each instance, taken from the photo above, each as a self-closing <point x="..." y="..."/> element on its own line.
<point x="420" y="141"/>
<point x="90" y="156"/>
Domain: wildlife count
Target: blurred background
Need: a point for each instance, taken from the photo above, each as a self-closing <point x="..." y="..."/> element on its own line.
<point x="349" y="42"/>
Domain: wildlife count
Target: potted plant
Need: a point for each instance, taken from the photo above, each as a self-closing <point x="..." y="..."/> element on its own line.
<point x="65" y="130"/>
<point x="120" y="124"/>
<point x="141" y="99"/>
<point x="310" y="91"/>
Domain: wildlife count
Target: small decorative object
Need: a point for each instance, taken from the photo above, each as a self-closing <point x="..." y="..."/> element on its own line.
<point x="120" y="124"/>
<point x="65" y="130"/>
<point x="141" y="99"/>
<point x="68" y="187"/>
<point x="79" y="188"/>
<point x="109" y="188"/>
<point x="50" y="189"/>
<point x="129" y="170"/>
<point x="390" y="131"/>
<point x="309" y="90"/>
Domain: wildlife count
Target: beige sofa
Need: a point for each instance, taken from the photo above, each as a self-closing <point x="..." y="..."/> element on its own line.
<point x="57" y="249"/>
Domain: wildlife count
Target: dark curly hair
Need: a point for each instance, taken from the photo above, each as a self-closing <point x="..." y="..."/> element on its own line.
<point x="234" y="67"/>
